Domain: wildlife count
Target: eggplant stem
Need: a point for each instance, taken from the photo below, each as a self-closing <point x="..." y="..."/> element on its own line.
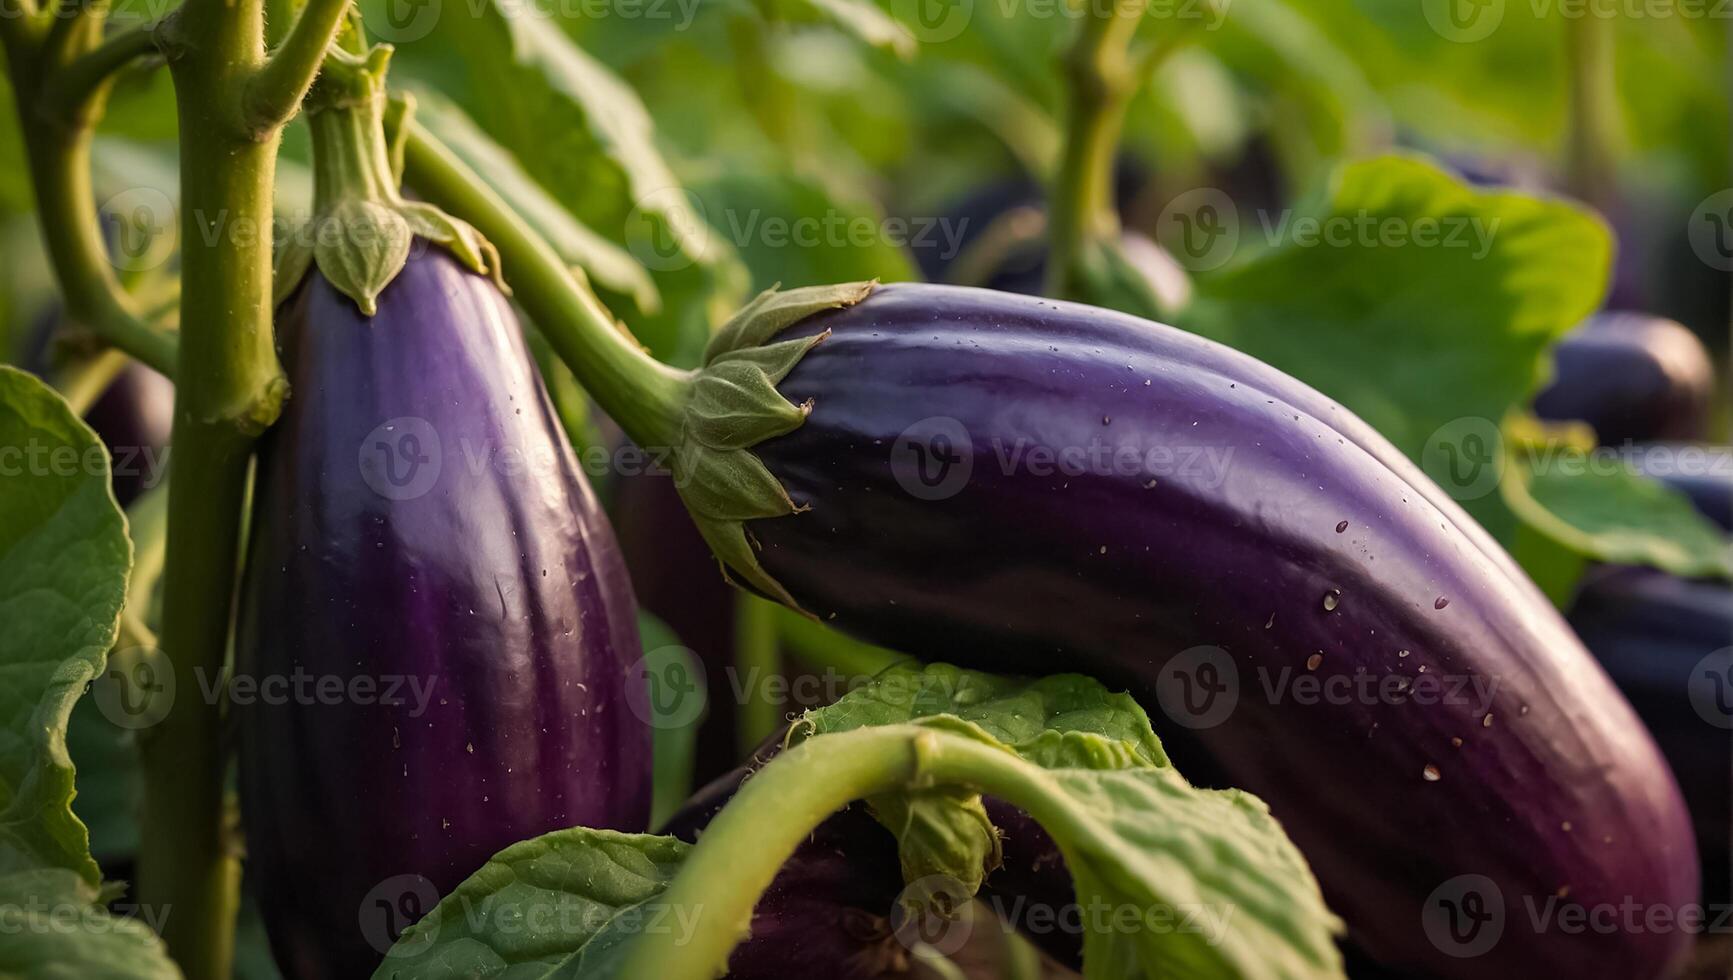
<point x="275" y="91"/>
<point x="646" y="397"/>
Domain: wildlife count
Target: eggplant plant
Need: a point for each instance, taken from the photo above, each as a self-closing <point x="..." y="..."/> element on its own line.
<point x="1206" y="649"/>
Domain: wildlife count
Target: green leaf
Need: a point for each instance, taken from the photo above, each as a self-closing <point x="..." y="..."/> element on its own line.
<point x="607" y="265"/>
<point x="585" y="136"/>
<point x="1408" y="296"/>
<point x="55" y="928"/>
<point x="538" y="907"/>
<point x="1611" y="514"/>
<point x="1061" y="721"/>
<point x="64" y="558"/>
<point x="857" y="18"/>
<point x="1031" y="717"/>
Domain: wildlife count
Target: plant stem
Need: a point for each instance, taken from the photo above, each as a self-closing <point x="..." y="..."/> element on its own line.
<point x="1102" y="80"/>
<point x="83" y="383"/>
<point x="1594" y="102"/>
<point x="276" y="91"/>
<point x="757" y="658"/>
<point x="59" y="157"/>
<point x="643" y="395"/>
<point x="69" y="90"/>
<point x="230" y="389"/>
<point x="741" y="850"/>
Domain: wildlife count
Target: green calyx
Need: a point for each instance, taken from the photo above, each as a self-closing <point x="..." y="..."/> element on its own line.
<point x="734" y="405"/>
<point x="362" y="230"/>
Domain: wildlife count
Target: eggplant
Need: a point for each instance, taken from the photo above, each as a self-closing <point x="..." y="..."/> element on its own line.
<point x="133" y="416"/>
<point x="1656" y="634"/>
<point x="833" y="909"/>
<point x="1634" y="378"/>
<point x="1702" y="473"/>
<point x="425" y="546"/>
<point x="1028" y="486"/>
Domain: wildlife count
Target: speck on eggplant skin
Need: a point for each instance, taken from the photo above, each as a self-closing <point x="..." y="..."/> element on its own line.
<point x="512" y="738"/>
<point x="995" y="576"/>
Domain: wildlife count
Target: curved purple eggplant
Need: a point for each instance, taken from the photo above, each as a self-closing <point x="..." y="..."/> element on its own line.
<point x="1633" y="377"/>
<point x="1026" y="486"/>
<point x="1657" y="635"/>
<point x="436" y="628"/>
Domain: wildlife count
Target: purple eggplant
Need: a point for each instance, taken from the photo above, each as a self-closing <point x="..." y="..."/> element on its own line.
<point x="437" y="628"/>
<point x="1702" y="473"/>
<point x="133" y="416"/>
<point x="1657" y="635"/>
<point x="1634" y="378"/>
<point x="1026" y="486"/>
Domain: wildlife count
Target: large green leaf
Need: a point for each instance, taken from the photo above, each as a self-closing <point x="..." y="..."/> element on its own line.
<point x="535" y="909"/>
<point x="64" y="558"/>
<point x="55" y="928"/>
<point x="587" y="139"/>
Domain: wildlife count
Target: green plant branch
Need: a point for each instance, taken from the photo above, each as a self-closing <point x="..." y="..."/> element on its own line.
<point x="230" y="389"/>
<point x="71" y="88"/>
<point x="748" y="842"/>
<point x="1102" y="79"/>
<point x="81" y="384"/>
<point x="73" y="24"/>
<point x="1594" y="105"/>
<point x="645" y="396"/>
<point x="275" y="92"/>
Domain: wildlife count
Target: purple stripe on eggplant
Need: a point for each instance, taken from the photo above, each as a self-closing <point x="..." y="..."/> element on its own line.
<point x="420" y="522"/>
<point x="1258" y="518"/>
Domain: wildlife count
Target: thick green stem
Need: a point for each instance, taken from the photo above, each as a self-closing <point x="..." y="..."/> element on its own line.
<point x="645" y="396"/>
<point x="1594" y="106"/>
<point x="1102" y="81"/>
<point x="230" y="388"/>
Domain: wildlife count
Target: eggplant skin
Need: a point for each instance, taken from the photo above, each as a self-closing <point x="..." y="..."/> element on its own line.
<point x="1633" y="377"/>
<point x="1305" y="547"/>
<point x="1652" y="632"/>
<point x="489" y="591"/>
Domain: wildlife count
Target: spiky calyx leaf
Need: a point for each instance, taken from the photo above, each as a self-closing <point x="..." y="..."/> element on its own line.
<point x="734" y="406"/>
<point x="362" y="230"/>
